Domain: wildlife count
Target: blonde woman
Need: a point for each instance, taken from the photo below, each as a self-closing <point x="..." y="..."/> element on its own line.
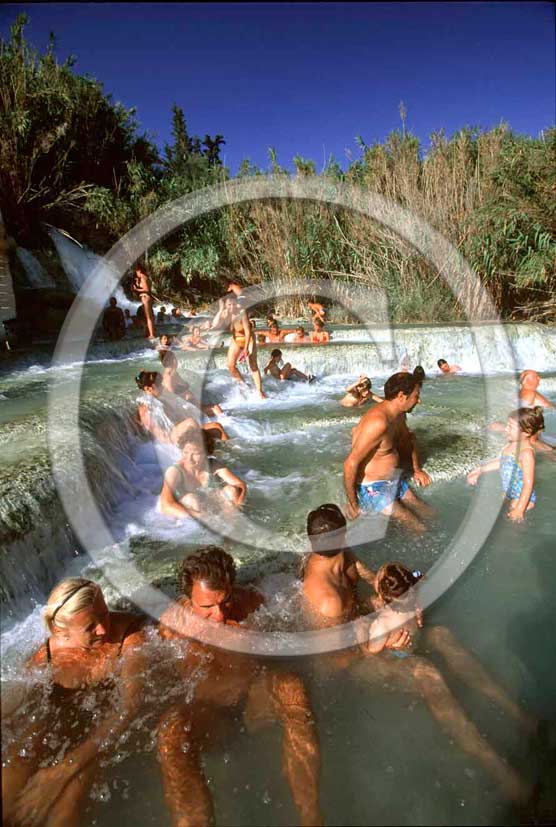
<point x="50" y="764"/>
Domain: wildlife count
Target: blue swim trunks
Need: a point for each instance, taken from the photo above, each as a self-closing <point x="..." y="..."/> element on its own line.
<point x="378" y="495"/>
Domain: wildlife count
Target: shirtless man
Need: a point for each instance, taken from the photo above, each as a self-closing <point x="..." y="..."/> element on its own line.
<point x="446" y="368"/>
<point x="278" y="370"/>
<point x="319" y="336"/>
<point x="371" y="476"/>
<point x="329" y="586"/>
<point x="209" y="599"/>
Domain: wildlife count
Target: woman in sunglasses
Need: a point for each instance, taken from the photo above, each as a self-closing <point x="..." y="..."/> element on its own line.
<point x="73" y="716"/>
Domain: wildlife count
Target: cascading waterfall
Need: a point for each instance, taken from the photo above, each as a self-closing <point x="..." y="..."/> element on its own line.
<point x="353" y="351"/>
<point x="36" y="540"/>
<point x="35" y="272"/>
<point x="79" y="263"/>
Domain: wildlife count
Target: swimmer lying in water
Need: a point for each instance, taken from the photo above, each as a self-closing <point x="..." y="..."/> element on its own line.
<point x="281" y="371"/>
<point x="196" y="474"/>
<point x="516" y="463"/>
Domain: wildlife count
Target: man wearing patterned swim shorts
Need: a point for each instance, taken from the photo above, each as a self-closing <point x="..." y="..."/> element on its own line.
<point x="372" y="476"/>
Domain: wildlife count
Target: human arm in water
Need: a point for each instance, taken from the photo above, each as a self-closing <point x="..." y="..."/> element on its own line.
<point x="408" y="449"/>
<point x="368" y="439"/>
<point x="527" y="462"/>
<point x="169" y="505"/>
<point x="238" y="485"/>
<point x="43" y="791"/>
<point x="474" y="475"/>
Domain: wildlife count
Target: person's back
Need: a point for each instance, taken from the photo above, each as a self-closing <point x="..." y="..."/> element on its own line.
<point x="332" y="571"/>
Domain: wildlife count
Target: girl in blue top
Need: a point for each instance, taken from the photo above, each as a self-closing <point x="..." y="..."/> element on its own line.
<point x="516" y="463"/>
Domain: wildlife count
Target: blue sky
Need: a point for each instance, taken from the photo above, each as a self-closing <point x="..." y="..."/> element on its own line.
<point x="307" y="78"/>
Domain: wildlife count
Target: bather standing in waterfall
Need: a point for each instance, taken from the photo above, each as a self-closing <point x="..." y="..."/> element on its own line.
<point x="142" y="288"/>
<point x="372" y="476"/>
<point x="91" y="655"/>
<point x="257" y="694"/>
<point x="243" y="346"/>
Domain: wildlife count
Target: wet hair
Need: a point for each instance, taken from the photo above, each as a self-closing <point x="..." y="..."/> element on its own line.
<point x="190" y="435"/>
<point x="530" y="420"/>
<point x="167" y="357"/>
<point x="419" y="373"/>
<point x="318" y="322"/>
<point x="147" y="378"/>
<point x="210" y="564"/>
<point x="68" y="598"/>
<point x="325" y="520"/>
<point x="275" y="352"/>
<point x="394" y="580"/>
<point x="400" y="383"/>
<point x="441" y="362"/>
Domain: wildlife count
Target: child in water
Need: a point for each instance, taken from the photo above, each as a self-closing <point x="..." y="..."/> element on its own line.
<point x="516" y="463"/>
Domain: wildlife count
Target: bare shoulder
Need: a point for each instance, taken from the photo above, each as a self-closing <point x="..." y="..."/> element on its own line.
<point x="174" y="621"/>
<point x="128" y="624"/>
<point x="38" y="659"/>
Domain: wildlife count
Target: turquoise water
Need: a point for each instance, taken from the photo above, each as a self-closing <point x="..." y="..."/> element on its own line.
<point x="384" y="759"/>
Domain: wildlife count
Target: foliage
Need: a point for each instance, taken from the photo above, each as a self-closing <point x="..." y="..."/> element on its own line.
<point x="71" y="156"/>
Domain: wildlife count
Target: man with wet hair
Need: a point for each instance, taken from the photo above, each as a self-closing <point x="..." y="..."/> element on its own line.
<point x="225" y="680"/>
<point x="446" y="368"/>
<point x="372" y="476"/>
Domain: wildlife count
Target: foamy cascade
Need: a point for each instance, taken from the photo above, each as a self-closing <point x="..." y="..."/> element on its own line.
<point x="35" y="272"/>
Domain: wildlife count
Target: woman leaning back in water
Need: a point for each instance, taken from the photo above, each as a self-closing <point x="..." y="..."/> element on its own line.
<point x="88" y="647"/>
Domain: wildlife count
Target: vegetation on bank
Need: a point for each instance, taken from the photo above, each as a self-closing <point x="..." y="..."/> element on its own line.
<point x="73" y="158"/>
